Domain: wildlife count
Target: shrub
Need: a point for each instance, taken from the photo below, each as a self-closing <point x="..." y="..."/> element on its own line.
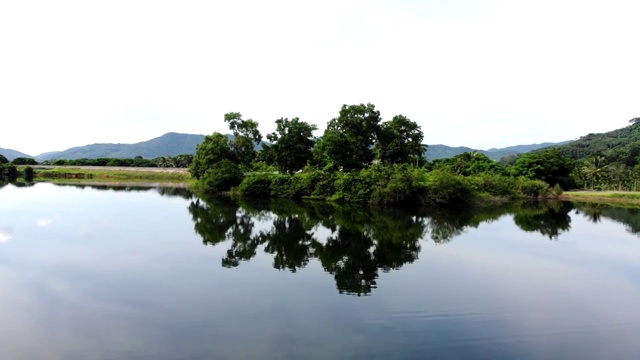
<point x="447" y="189"/>
<point x="557" y="190"/>
<point x="533" y="188"/>
<point x="290" y="186"/>
<point x="353" y="187"/>
<point x="495" y="185"/>
<point x="222" y="176"/>
<point x="257" y="186"/>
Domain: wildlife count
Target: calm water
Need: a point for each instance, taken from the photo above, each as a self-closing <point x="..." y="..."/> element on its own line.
<point x="143" y="273"/>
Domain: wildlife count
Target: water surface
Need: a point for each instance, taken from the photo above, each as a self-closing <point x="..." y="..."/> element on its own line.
<point x="146" y="273"/>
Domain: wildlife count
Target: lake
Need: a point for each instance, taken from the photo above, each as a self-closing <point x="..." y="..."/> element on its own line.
<point x="158" y="273"/>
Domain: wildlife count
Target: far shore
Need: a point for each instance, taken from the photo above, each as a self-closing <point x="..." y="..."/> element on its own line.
<point x="113" y="175"/>
<point x="605" y="197"/>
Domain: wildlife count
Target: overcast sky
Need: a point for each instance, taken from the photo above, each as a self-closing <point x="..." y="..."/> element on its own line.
<point x="472" y="73"/>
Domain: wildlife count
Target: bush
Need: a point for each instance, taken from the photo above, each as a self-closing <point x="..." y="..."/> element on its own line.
<point x="495" y="185"/>
<point x="288" y="186"/>
<point x="353" y="187"/>
<point x="447" y="189"/>
<point x="222" y="176"/>
<point x="256" y="186"/>
<point x="533" y="188"/>
<point x="557" y="190"/>
<point x="322" y="184"/>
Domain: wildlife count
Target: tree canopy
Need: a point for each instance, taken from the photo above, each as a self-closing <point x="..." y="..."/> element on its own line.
<point x="349" y="139"/>
<point x="293" y="141"/>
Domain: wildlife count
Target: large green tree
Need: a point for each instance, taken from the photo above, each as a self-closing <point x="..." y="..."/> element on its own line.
<point x="292" y="144"/>
<point x="549" y="166"/>
<point x="349" y="138"/>
<point x="246" y="135"/>
<point x="400" y="141"/>
<point x="211" y="151"/>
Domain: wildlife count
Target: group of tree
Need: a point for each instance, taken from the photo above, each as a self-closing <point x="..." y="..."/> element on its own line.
<point x="179" y="161"/>
<point x="361" y="158"/>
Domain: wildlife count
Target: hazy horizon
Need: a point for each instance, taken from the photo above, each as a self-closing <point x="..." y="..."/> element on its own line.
<point x="481" y="74"/>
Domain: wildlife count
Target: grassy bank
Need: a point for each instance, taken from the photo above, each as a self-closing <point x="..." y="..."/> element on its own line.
<point x="603" y="197"/>
<point x="68" y="174"/>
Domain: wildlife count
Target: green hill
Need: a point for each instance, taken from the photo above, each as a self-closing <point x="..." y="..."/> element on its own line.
<point x="168" y="145"/>
<point x="617" y="146"/>
<point x="12" y="154"/>
<point x="444" y="151"/>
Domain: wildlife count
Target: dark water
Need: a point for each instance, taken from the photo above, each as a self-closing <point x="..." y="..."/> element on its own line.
<point x="99" y="273"/>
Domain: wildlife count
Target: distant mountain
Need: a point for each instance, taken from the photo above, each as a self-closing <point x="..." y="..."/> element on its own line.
<point x="12" y="154"/>
<point x="444" y="151"/>
<point x="170" y="144"/>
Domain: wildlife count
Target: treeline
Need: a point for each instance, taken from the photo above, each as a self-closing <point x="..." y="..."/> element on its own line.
<point x="9" y="171"/>
<point x="362" y="159"/>
<point x="179" y="161"/>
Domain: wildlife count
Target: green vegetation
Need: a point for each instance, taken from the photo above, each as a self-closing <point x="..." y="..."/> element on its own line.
<point x="24" y="161"/>
<point x="113" y="175"/>
<point x="362" y="159"/>
<point x="608" y="161"/>
<point x="179" y="161"/>
<point x="604" y="197"/>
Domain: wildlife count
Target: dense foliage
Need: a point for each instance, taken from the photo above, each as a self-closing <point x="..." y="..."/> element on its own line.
<point x="362" y="159"/>
<point x="608" y="161"/>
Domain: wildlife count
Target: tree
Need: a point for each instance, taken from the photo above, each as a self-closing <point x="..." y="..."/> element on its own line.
<point x="3" y="159"/>
<point x="24" y="161"/>
<point x="400" y="141"/>
<point x="549" y="166"/>
<point x="165" y="162"/>
<point x="183" y="161"/>
<point x="349" y="138"/>
<point x="222" y="176"/>
<point x="292" y="144"/>
<point x="594" y="170"/>
<point x="211" y="151"/>
<point x="246" y="135"/>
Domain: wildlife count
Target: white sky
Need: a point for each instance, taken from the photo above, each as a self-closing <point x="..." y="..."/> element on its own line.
<point x="474" y="73"/>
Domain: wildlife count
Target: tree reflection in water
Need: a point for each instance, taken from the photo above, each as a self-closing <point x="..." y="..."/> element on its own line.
<point x="358" y="242"/>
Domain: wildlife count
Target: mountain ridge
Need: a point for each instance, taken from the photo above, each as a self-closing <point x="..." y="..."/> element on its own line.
<point x="11" y="154"/>
<point x="173" y="144"/>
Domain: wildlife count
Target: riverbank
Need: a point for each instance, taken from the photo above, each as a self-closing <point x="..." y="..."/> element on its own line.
<point x="112" y="174"/>
<point x="603" y="197"/>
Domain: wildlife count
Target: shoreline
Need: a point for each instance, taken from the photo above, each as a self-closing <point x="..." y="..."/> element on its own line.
<point x="111" y="174"/>
<point x="603" y="197"/>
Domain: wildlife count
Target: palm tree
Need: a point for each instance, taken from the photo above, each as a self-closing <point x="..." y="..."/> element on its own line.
<point x="594" y="169"/>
